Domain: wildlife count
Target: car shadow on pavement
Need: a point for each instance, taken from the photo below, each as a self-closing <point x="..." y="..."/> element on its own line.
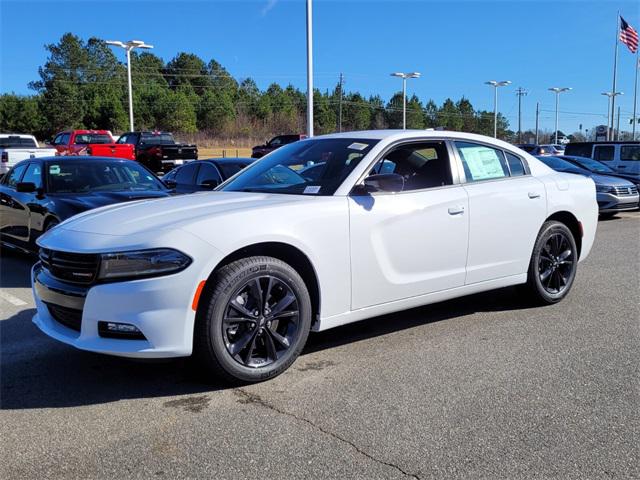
<point x="38" y="372"/>
<point x="15" y="268"/>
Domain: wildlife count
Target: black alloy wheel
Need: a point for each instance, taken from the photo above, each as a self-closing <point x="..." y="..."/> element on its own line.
<point x="555" y="264"/>
<point x="261" y="321"/>
<point x="253" y="320"/>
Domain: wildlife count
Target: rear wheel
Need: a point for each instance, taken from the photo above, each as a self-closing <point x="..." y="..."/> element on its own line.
<point x="255" y="321"/>
<point x="553" y="264"/>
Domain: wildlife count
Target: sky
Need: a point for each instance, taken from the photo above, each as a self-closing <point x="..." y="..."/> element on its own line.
<point x="457" y="46"/>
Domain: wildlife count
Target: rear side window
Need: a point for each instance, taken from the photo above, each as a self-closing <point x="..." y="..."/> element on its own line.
<point x="14" y="176"/>
<point x="630" y="153"/>
<point x="604" y="153"/>
<point x="516" y="167"/>
<point x="87" y="138"/>
<point x="16" y="142"/>
<point x="481" y="162"/>
<point x="579" y="149"/>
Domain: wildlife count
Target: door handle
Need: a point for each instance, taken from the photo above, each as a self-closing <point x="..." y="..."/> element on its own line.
<point x="456" y="210"/>
<point x="534" y="195"/>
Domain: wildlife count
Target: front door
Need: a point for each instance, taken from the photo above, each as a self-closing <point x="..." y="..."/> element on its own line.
<point x="412" y="242"/>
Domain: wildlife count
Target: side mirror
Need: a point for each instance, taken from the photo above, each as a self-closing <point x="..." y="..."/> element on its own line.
<point x="209" y="183"/>
<point x="384" y="182"/>
<point x="26" y="187"/>
<point x="170" y="183"/>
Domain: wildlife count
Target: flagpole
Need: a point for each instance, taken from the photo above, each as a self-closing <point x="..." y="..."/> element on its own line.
<point x="615" y="73"/>
<point x="635" y="97"/>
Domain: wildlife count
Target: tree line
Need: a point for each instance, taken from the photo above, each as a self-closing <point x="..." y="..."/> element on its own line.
<point x="83" y="85"/>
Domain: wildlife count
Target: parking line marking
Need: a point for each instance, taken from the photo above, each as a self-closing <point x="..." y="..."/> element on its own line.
<point x="13" y="300"/>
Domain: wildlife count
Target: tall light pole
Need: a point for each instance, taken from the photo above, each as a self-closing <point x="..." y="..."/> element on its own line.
<point x="495" y="84"/>
<point x="610" y="95"/>
<point x="309" y="69"/>
<point x="128" y="46"/>
<point x="558" y="91"/>
<point x="520" y="92"/>
<point x="404" y="77"/>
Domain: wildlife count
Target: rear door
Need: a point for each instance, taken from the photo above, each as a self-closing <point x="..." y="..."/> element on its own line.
<point x="507" y="206"/>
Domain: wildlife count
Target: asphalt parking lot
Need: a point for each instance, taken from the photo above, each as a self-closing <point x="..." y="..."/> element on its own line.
<point x="482" y="387"/>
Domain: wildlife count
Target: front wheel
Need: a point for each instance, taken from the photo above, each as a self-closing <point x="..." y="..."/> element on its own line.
<point x="254" y="321"/>
<point x="553" y="264"/>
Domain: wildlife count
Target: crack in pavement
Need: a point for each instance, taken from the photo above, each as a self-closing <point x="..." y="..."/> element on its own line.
<point x="252" y="398"/>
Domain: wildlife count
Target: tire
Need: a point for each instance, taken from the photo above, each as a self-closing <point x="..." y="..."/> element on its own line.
<point x="253" y="320"/>
<point x="553" y="264"/>
<point x="50" y="224"/>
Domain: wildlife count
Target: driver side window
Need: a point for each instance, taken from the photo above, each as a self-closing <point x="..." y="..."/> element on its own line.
<point x="421" y="165"/>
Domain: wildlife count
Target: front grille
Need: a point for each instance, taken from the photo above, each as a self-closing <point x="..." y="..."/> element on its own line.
<point x="622" y="191"/>
<point x="71" y="267"/>
<point x="69" y="317"/>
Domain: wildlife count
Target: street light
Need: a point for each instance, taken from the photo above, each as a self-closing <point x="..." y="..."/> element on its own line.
<point x="128" y="46"/>
<point x="404" y="77"/>
<point x="610" y="95"/>
<point x="495" y="84"/>
<point x="558" y="91"/>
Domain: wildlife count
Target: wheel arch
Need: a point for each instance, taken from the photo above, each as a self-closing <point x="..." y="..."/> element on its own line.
<point x="572" y="223"/>
<point x="288" y="254"/>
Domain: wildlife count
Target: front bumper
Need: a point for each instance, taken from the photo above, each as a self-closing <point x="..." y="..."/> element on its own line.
<point x="609" y="203"/>
<point x="159" y="307"/>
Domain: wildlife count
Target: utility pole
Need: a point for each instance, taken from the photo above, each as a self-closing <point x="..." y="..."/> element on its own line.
<point x="520" y="92"/>
<point x="618" y="126"/>
<point x="340" y="104"/>
<point x="309" y="69"/>
<point x="537" y="117"/>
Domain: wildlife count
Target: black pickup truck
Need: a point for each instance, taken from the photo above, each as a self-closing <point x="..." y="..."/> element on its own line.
<point x="158" y="151"/>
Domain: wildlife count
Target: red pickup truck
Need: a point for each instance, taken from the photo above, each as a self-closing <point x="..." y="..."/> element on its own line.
<point x="98" y="143"/>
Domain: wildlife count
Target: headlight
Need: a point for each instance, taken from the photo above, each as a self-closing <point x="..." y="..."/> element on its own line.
<point x="604" y="188"/>
<point x="142" y="263"/>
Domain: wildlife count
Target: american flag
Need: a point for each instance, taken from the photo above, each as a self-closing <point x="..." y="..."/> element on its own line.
<point x="628" y="35"/>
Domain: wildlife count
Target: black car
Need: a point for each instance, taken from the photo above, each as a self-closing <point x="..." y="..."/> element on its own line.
<point x="39" y="193"/>
<point x="598" y="167"/>
<point x="204" y="174"/>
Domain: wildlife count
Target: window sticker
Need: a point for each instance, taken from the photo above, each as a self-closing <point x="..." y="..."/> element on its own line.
<point x="483" y="162"/>
<point x="54" y="169"/>
<point x="358" y="146"/>
<point x="312" y="189"/>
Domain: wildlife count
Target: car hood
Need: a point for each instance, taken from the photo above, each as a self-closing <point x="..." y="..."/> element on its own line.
<point x="89" y="201"/>
<point x="172" y="212"/>
<point x="610" y="180"/>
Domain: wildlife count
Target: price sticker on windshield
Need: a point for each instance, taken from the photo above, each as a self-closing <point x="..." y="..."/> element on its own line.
<point x="358" y="146"/>
<point x="54" y="170"/>
<point x="312" y="189"/>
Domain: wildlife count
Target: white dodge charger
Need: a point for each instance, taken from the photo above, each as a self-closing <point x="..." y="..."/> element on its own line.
<point x="317" y="234"/>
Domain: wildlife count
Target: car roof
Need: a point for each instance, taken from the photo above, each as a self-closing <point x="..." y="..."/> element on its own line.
<point x="607" y="142"/>
<point x="228" y="160"/>
<point x="73" y="158"/>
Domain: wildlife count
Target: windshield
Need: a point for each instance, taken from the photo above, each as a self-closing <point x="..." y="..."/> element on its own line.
<point x="593" y="165"/>
<point x="283" y="171"/>
<point x="87" y="138"/>
<point x="76" y="176"/>
<point x="558" y="164"/>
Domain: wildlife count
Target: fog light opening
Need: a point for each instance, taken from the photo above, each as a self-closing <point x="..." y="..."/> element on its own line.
<point x="119" y="330"/>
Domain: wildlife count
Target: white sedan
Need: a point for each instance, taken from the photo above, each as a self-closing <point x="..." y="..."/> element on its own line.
<point x="389" y="220"/>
